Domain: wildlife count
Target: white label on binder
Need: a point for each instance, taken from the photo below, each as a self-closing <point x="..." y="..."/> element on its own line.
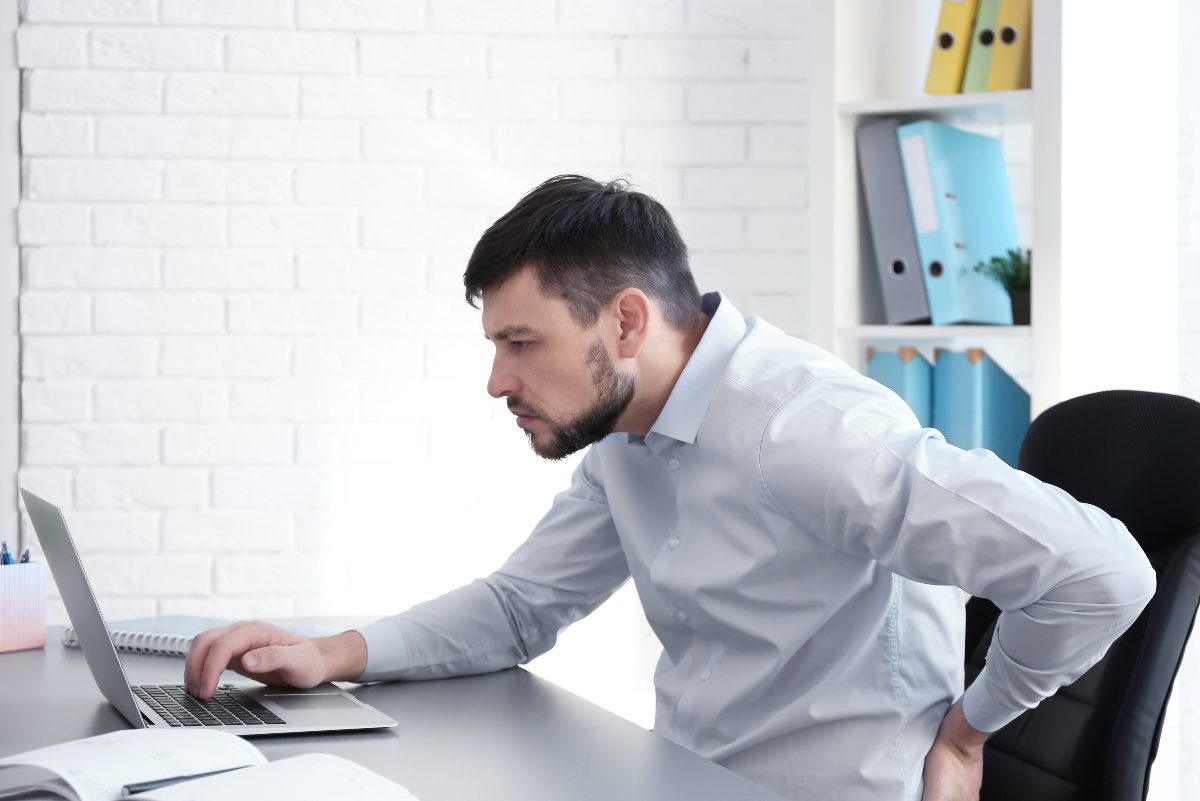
<point x="920" y="184"/>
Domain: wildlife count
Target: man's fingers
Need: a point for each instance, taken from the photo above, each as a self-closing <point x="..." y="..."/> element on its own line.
<point x="197" y="653"/>
<point x="224" y="648"/>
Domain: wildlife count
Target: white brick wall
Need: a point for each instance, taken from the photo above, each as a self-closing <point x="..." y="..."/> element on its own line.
<point x="246" y="357"/>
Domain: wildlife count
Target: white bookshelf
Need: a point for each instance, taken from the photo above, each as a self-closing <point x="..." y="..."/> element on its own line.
<point x="1093" y="159"/>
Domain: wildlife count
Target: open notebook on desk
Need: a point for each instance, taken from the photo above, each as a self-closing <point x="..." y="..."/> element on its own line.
<point x="172" y="635"/>
<point x="97" y="768"/>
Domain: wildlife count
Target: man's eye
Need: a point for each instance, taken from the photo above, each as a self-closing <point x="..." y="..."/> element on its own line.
<point x="520" y="344"/>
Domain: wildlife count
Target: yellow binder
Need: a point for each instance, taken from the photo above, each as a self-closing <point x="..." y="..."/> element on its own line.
<point x="1011" y="55"/>
<point x="951" y="43"/>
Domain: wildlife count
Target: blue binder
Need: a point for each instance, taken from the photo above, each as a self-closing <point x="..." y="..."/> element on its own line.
<point x="978" y="405"/>
<point x="963" y="214"/>
<point x="908" y="374"/>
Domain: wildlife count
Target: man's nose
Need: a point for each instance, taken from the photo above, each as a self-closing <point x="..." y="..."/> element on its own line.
<point x="502" y="382"/>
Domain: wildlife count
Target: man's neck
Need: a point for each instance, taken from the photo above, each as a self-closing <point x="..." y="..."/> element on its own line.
<point x="654" y="384"/>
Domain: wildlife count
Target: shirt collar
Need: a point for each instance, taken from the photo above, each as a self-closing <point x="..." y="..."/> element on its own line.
<point x="688" y="402"/>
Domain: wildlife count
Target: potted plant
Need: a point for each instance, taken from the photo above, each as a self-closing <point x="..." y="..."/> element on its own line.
<point x="1012" y="271"/>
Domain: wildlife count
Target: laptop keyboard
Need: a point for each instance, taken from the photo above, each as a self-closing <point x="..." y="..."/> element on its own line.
<point x="229" y="706"/>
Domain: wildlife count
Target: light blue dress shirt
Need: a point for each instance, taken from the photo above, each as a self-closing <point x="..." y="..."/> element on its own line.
<point x="795" y="537"/>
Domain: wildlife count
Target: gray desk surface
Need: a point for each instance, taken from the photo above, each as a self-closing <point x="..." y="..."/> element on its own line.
<point x="506" y="736"/>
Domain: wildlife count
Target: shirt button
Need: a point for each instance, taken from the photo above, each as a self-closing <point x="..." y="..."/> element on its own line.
<point x="706" y="675"/>
<point x="673" y="543"/>
<point x="682" y="615"/>
<point x="673" y="464"/>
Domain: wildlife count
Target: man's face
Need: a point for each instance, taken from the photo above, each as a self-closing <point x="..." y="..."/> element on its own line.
<point x="556" y="376"/>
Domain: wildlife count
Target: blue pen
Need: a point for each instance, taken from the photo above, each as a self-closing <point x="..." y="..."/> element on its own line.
<point x="25" y="557"/>
<point x="5" y="556"/>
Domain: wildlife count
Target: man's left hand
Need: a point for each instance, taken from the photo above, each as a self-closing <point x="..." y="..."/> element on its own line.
<point x="954" y="766"/>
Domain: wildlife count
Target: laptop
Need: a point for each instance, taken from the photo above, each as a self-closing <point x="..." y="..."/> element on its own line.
<point x="243" y="709"/>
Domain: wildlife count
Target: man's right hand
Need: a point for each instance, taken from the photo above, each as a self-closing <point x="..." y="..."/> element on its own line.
<point x="271" y="655"/>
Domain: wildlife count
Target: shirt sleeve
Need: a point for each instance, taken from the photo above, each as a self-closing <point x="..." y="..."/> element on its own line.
<point x="571" y="563"/>
<point x="847" y="460"/>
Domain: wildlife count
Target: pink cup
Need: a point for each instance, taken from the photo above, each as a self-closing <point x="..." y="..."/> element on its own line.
<point x="22" y="606"/>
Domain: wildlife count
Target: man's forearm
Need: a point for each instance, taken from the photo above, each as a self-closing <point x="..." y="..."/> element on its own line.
<point x="345" y="655"/>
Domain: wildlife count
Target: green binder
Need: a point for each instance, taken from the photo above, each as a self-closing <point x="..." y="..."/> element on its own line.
<point x="983" y="40"/>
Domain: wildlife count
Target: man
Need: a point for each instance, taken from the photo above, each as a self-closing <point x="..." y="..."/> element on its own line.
<point x="793" y="533"/>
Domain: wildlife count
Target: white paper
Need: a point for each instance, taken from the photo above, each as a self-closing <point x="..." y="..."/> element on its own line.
<point x="97" y="768"/>
<point x="309" y="777"/>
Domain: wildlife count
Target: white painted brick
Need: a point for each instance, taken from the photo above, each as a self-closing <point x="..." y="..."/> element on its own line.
<point x="427" y="142"/>
<point x="705" y="229"/>
<point x="107" y="531"/>
<point x="159" y="313"/>
<point x="687" y="59"/>
<point x="227" y="443"/>
<point x="664" y="184"/>
<point x="778" y="144"/>
<point x="498" y="186"/>
<point x="55" y="484"/>
<point x="364" y="97"/>
<point x="465" y="401"/>
<point x="148" y="137"/>
<point x="88" y="11"/>
<point x="156" y="48"/>
<point x="151" y="575"/>
<point x="89" y="356"/>
<point x="294" y="313"/>
<point x="289" y="226"/>
<point x="294" y="400"/>
<point x="276" y="487"/>
<point x="82" y="90"/>
<point x="685" y="144"/>
<point x="226" y="532"/>
<point x="279" y="574"/>
<point x="359" y="184"/>
<point x="748" y="17"/>
<point x="53" y="224"/>
<point x="744" y="101"/>
<point x="777" y="230"/>
<point x="623" y="17"/>
<point x="293" y="139"/>
<point x="446" y="266"/>
<point x="748" y="272"/>
<point x="360" y="269"/>
<point x="51" y="46"/>
<point x="762" y="187"/>
<point x="92" y="179"/>
<point x="140" y="487"/>
<point x="260" y="13"/>
<point x="70" y="445"/>
<point x="427" y="313"/>
<point x="227" y="269"/>
<point x="52" y="401"/>
<point x="485" y="16"/>
<point x="358" y="443"/>
<point x="177" y="224"/>
<point x="55" y="313"/>
<point x="241" y="608"/>
<point x="508" y="99"/>
<point x="423" y="55"/>
<point x="458" y="357"/>
<point x="225" y="357"/>
<point x="246" y="95"/>
<point x="79" y="268"/>
<point x="228" y="182"/>
<point x="551" y="143"/>
<point x="780" y="58"/>
<point x="420" y="226"/>
<point x="164" y="400"/>
<point x="358" y="357"/>
<point x="644" y="101"/>
<point x="277" y="52"/>
<point x="565" y="57"/>
<point x="360" y="15"/>
<point x="55" y="135"/>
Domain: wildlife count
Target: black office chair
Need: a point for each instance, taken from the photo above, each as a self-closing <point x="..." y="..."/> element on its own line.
<point x="1136" y="455"/>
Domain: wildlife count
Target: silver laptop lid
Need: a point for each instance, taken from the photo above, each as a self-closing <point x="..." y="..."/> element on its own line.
<point x="76" y="591"/>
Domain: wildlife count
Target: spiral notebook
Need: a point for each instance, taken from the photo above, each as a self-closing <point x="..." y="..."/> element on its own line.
<point x="172" y="635"/>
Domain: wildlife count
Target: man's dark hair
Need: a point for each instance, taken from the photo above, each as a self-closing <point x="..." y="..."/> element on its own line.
<point x="586" y="241"/>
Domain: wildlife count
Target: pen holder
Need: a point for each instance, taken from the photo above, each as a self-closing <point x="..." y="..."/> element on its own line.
<point x="22" y="606"/>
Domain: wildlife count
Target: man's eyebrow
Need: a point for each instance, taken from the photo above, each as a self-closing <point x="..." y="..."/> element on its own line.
<point x="511" y="331"/>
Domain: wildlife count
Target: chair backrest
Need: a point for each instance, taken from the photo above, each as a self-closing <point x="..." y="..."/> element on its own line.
<point x="1136" y="455"/>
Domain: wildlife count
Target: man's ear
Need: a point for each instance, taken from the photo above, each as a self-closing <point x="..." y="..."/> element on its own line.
<point x="631" y="313"/>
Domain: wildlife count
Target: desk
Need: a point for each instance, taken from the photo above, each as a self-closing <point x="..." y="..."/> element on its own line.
<point x="506" y="736"/>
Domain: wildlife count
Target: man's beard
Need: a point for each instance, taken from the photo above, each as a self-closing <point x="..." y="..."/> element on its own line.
<point x="596" y="423"/>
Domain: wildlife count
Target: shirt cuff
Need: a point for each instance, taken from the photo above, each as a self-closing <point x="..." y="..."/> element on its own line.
<point x="385" y="649"/>
<point x="983" y="712"/>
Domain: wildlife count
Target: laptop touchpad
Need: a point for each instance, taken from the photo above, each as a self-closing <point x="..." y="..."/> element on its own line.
<point x="314" y="701"/>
